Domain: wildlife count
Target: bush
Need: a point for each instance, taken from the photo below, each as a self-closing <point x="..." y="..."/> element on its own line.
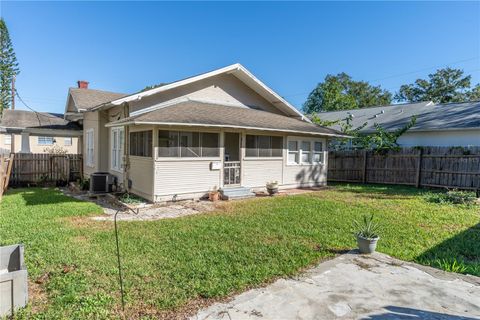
<point x="129" y="198"/>
<point x="452" y="197"/>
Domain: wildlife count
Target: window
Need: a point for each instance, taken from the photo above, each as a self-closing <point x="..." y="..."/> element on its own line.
<point x="67" y="141"/>
<point x="263" y="146"/>
<point x="89" y="147"/>
<point x="117" y="137"/>
<point x="305" y="151"/>
<point x="293" y="154"/>
<point x="141" y="143"/>
<point x="318" y="152"/>
<point x="8" y="139"/>
<point x="187" y="144"/>
<point x="45" y="141"/>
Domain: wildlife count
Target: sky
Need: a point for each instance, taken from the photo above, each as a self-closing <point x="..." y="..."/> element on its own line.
<point x="291" y="46"/>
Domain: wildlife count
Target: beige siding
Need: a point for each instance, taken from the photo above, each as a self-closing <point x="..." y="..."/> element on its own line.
<point x="35" y="147"/>
<point x="96" y="121"/>
<point x="184" y="176"/>
<point x="256" y="173"/>
<point x="225" y="89"/>
<point x="305" y="175"/>
<point x="141" y="175"/>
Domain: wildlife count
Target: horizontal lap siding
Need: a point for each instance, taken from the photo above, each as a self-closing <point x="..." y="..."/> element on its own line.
<point x="258" y="172"/>
<point x="141" y="174"/>
<point x="305" y="175"/>
<point x="177" y="177"/>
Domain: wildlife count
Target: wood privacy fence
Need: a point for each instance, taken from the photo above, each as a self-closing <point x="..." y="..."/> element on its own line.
<point x="40" y="168"/>
<point x="446" y="167"/>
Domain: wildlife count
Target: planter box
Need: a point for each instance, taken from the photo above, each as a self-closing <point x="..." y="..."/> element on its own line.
<point x="13" y="280"/>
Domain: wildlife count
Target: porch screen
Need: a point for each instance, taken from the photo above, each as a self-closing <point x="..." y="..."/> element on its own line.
<point x="263" y="146"/>
<point x="187" y="144"/>
<point x="141" y="143"/>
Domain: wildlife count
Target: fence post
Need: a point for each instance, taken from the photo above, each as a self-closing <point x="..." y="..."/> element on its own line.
<point x="419" y="167"/>
<point x="364" y="173"/>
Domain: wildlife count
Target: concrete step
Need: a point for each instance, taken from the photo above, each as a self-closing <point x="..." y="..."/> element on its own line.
<point x="236" y="193"/>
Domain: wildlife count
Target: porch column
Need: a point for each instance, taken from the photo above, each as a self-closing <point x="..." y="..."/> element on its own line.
<point x="25" y="143"/>
<point x="222" y="157"/>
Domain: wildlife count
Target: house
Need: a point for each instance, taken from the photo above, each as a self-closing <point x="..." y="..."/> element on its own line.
<point x="450" y="124"/>
<point x="221" y="129"/>
<point x="37" y="132"/>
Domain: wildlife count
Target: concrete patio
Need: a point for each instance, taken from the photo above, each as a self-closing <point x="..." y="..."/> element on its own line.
<point x="354" y="286"/>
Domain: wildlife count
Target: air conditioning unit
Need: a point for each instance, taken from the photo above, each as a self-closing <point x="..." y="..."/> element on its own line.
<point x="102" y="182"/>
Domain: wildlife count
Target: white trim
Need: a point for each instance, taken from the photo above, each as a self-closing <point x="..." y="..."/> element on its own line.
<point x="133" y="122"/>
<point x="243" y="75"/>
<point x="90" y="145"/>
<point x="116" y="154"/>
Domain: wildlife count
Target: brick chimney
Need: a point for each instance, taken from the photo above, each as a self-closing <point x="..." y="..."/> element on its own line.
<point x="82" y="84"/>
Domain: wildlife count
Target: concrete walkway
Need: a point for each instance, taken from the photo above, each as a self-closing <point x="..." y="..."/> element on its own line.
<point x="353" y="286"/>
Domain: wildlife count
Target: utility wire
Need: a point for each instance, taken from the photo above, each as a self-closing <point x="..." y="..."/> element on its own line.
<point x="37" y="114"/>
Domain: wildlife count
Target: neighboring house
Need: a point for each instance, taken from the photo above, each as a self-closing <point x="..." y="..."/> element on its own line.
<point x="35" y="132"/>
<point x="220" y="129"/>
<point x="451" y="124"/>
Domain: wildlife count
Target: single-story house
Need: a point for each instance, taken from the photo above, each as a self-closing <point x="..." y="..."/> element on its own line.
<point x="449" y="124"/>
<point x="37" y="132"/>
<point x="221" y="129"/>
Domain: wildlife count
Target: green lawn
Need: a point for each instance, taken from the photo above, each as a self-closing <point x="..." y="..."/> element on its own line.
<point x="179" y="264"/>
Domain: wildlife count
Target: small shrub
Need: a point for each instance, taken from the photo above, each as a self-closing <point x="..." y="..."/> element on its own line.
<point x="129" y="198"/>
<point x="367" y="228"/>
<point x="452" y="197"/>
<point x="85" y="184"/>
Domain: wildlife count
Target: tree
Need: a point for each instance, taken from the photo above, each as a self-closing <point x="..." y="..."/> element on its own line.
<point x="154" y="86"/>
<point x="381" y="140"/>
<point x="443" y="86"/>
<point x="340" y="92"/>
<point x="8" y="67"/>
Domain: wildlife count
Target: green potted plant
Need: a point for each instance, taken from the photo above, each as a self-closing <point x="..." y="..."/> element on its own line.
<point x="214" y="194"/>
<point x="272" y="187"/>
<point x="366" y="232"/>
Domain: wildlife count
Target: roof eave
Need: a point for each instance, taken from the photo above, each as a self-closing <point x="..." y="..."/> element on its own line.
<point x="204" y="125"/>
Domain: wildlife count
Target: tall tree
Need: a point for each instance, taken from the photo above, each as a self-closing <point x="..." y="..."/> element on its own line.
<point x="444" y="86"/>
<point x="340" y="92"/>
<point x="8" y="67"/>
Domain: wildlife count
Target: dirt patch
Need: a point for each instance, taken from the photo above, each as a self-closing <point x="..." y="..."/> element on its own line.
<point x="37" y="296"/>
<point x="86" y="223"/>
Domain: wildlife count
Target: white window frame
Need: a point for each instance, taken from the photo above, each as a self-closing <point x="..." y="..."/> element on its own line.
<point x="312" y="151"/>
<point x="45" y="143"/>
<point x="90" y="147"/>
<point x="70" y="141"/>
<point x="7" y="140"/>
<point x="117" y="138"/>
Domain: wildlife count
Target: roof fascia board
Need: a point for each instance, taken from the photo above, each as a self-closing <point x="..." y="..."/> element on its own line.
<point x="133" y="122"/>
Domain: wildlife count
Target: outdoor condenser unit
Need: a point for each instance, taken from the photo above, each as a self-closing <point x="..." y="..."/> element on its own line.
<point x="101" y="182"/>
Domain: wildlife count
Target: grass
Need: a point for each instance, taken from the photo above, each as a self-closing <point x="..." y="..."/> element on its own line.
<point x="177" y="264"/>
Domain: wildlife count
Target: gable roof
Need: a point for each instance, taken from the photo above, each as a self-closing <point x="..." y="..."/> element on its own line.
<point x="236" y="70"/>
<point x="85" y="99"/>
<point x="22" y="119"/>
<point x="200" y="114"/>
<point x="430" y="116"/>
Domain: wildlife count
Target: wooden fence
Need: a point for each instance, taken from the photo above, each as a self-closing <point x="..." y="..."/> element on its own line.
<point x="446" y="167"/>
<point x="39" y="169"/>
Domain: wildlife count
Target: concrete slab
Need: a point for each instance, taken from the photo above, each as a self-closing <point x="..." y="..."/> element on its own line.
<point x="354" y="286"/>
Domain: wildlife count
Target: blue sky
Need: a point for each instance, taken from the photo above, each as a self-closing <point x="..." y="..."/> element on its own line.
<point x="125" y="46"/>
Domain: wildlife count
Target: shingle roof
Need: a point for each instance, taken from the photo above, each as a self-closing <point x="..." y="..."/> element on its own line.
<point x="89" y="98"/>
<point x="430" y="116"/>
<point x="195" y="113"/>
<point x="38" y="120"/>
